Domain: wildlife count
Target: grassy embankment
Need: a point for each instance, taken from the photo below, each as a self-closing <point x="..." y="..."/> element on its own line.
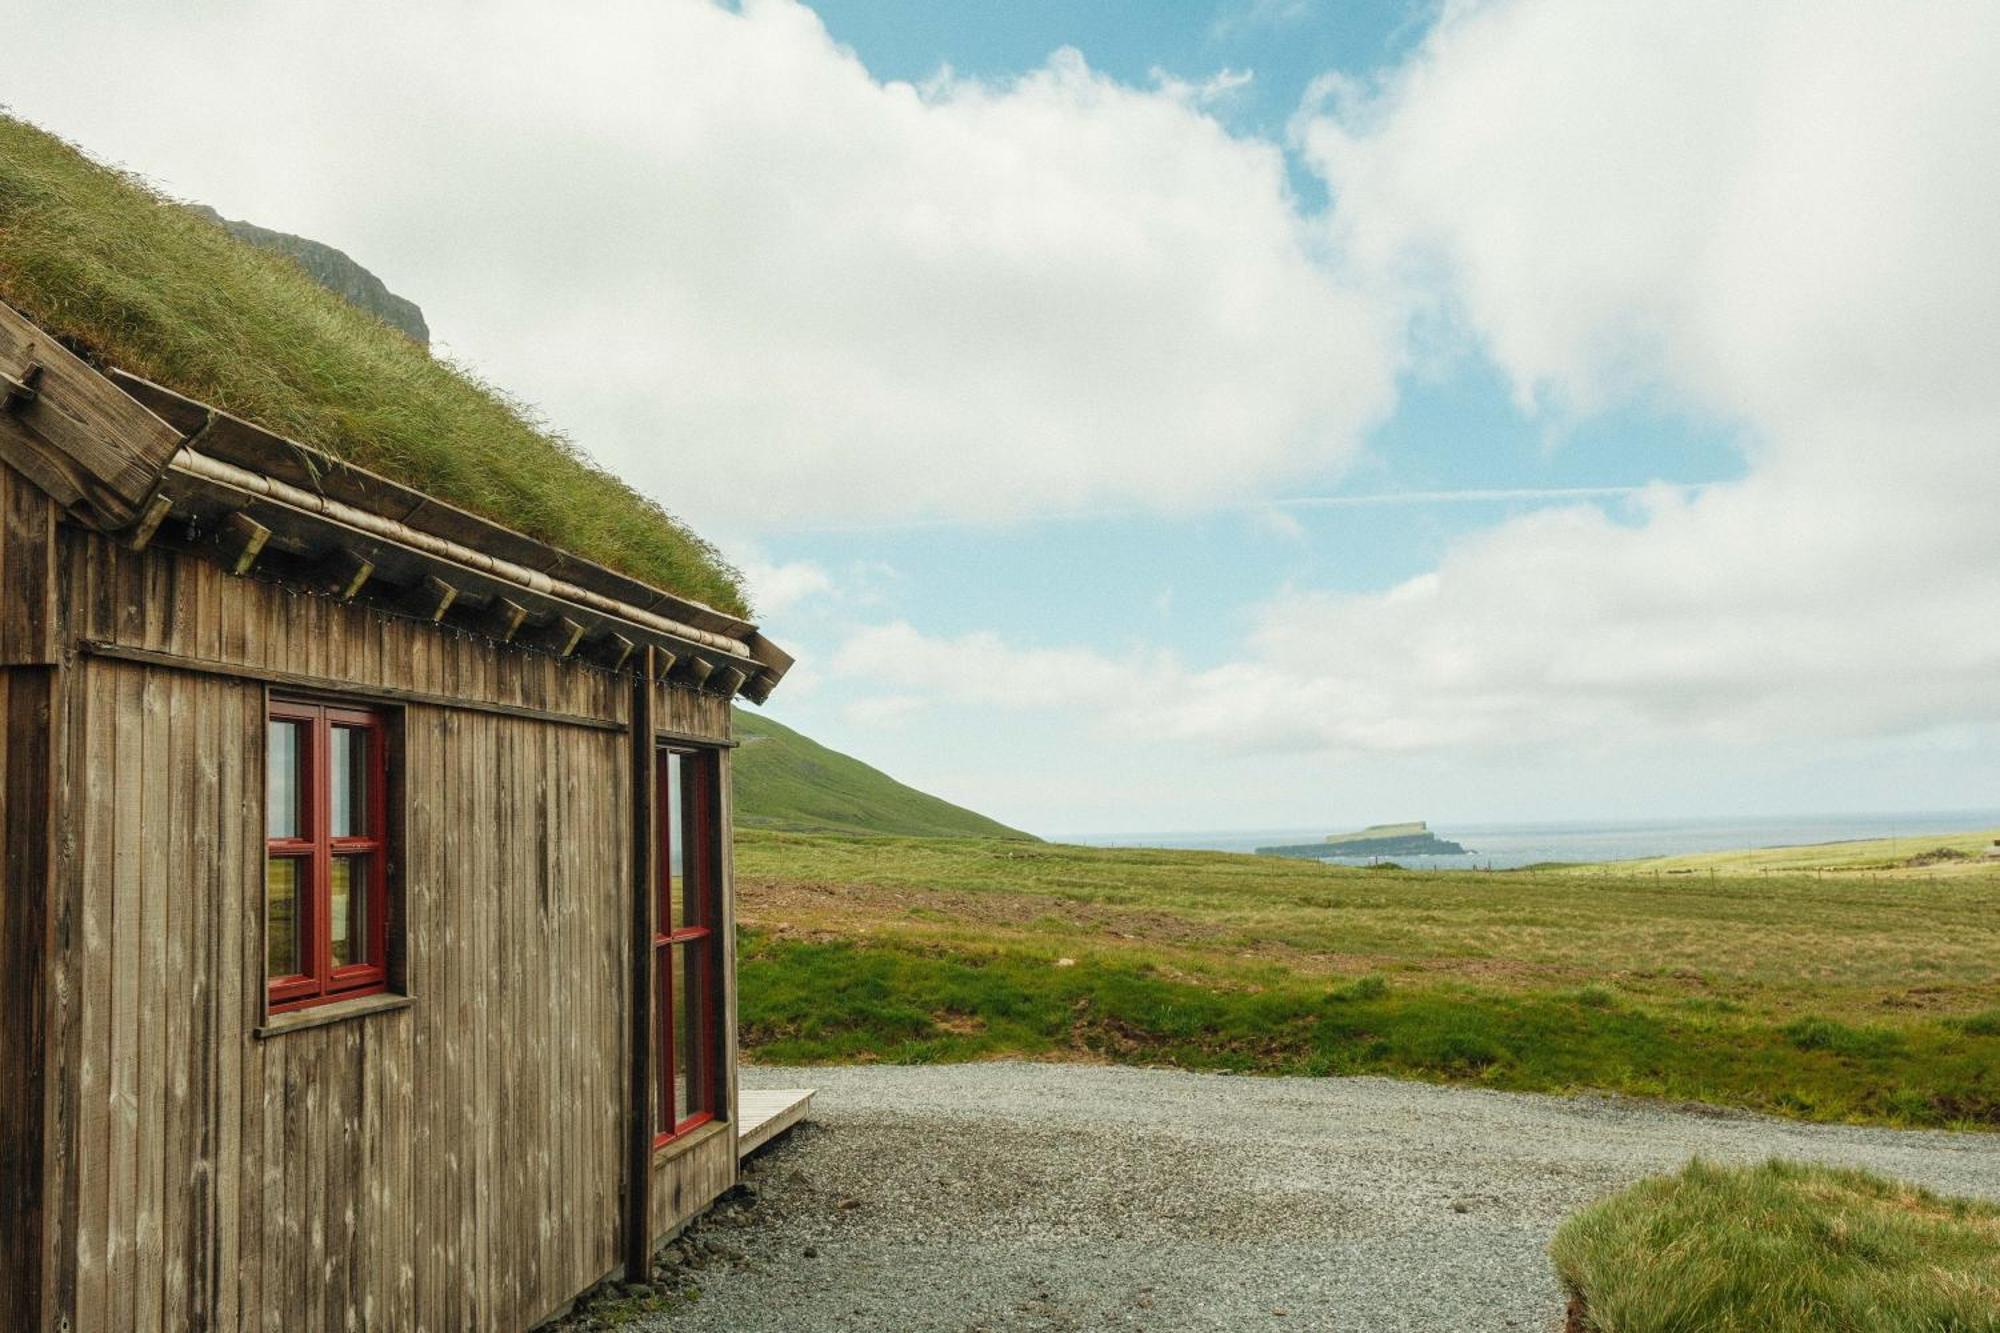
<point x="1848" y="997"/>
<point x="1781" y="1248"/>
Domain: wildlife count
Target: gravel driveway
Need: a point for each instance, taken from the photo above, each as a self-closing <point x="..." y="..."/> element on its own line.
<point x="1032" y="1196"/>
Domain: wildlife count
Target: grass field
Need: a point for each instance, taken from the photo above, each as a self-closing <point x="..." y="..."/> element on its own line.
<point x="1924" y="856"/>
<point x="1845" y="997"/>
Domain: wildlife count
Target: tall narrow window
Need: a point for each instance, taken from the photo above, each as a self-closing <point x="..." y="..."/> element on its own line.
<point x="326" y="897"/>
<point x="686" y="938"/>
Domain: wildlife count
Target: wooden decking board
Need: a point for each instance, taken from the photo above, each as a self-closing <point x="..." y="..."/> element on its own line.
<point x="763" y="1116"/>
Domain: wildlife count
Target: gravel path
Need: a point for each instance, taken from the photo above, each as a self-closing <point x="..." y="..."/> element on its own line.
<point x="1031" y="1196"/>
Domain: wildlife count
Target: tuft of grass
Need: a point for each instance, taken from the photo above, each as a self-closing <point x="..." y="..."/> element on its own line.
<point x="1982" y="1025"/>
<point x="1823" y="1034"/>
<point x="137" y="280"/>
<point x="1784" y="1247"/>
<point x="1362" y="988"/>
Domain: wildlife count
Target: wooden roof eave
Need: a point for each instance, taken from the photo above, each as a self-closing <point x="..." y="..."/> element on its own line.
<point x="255" y="532"/>
<point x="123" y="455"/>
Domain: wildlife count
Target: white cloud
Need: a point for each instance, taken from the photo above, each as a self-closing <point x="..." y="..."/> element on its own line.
<point x="774" y="290"/>
<point x="747" y="275"/>
<point x="1217" y="87"/>
<point x="877" y="712"/>
<point x="1781" y="215"/>
<point x="778" y="587"/>
<point x="1239" y="17"/>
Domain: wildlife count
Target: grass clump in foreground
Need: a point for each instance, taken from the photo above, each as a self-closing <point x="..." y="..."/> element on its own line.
<point x="146" y="284"/>
<point x="1781" y="1248"/>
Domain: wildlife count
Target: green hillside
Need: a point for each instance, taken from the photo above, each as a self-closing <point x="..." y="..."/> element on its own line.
<point x="785" y="781"/>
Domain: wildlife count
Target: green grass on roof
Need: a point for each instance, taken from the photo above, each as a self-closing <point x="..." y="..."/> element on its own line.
<point x="139" y="281"/>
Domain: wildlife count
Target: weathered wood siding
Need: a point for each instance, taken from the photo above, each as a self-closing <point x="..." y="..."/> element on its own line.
<point x="456" y="1164"/>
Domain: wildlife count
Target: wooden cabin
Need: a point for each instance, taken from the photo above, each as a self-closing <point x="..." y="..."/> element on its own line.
<point x="365" y="936"/>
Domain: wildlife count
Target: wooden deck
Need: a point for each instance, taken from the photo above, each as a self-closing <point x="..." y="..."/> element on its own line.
<point x="763" y="1116"/>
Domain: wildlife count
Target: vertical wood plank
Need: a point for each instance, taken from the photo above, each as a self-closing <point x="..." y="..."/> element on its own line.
<point x="26" y="778"/>
<point x="69" y="814"/>
<point x="127" y="940"/>
<point x="644" y="851"/>
<point x="29" y="621"/>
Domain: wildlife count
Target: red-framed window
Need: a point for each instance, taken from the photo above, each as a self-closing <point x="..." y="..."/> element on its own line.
<point x="326" y="853"/>
<point x="687" y="938"/>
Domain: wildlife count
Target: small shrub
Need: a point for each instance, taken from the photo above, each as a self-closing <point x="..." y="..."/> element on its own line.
<point x="1595" y="997"/>
<point x="1361" y="988"/>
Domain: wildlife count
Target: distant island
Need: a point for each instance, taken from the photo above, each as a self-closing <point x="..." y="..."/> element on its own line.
<point x="1411" y="839"/>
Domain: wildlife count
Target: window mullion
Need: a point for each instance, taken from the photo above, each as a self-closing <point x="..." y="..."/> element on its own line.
<point x="322" y="858"/>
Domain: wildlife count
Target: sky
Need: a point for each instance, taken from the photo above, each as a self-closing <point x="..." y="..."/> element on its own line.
<point x="1250" y="414"/>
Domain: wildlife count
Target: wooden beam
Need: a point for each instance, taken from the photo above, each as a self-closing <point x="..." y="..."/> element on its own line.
<point x="299" y="680"/>
<point x="157" y="509"/>
<point x="505" y="618"/>
<point x="695" y="671"/>
<point x="643" y="812"/>
<point x="663" y="664"/>
<point x="243" y="537"/>
<point x="348" y="572"/>
<point x="568" y="635"/>
<point x="759" y="688"/>
<point x="617" y="650"/>
<point x="20" y="387"/>
<point x="74" y="433"/>
<point x="434" y="597"/>
<point x="727" y="682"/>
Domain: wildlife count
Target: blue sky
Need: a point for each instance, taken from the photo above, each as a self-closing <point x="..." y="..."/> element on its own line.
<point x="1179" y="417"/>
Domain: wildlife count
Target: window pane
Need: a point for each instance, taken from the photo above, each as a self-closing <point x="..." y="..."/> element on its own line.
<point x="348" y="799"/>
<point x="663" y="1095"/>
<point x="284" y="762"/>
<point x="284" y="885"/>
<point x="348" y="889"/>
<point x="675" y="850"/>
<point x="682" y="1047"/>
<point x="692" y="1088"/>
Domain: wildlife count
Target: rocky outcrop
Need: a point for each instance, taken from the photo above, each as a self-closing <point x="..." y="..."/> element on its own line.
<point x="334" y="270"/>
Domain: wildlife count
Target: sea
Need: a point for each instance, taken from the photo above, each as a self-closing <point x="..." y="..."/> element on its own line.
<point x="1504" y="846"/>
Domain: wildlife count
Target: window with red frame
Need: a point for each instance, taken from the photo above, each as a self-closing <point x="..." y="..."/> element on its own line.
<point x="686" y="940"/>
<point x="326" y="873"/>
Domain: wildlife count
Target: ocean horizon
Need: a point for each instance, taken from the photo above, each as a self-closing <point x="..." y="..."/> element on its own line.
<point x="1502" y="846"/>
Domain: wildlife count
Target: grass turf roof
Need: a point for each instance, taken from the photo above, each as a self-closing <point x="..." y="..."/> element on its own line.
<point x="144" y="283"/>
